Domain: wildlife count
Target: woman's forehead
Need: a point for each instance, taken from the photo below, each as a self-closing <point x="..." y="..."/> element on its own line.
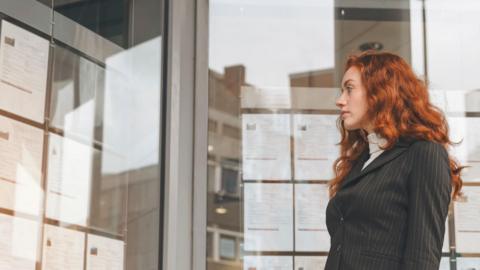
<point x="352" y="74"/>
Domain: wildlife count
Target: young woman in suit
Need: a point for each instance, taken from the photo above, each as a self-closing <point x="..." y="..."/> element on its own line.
<point x="394" y="179"/>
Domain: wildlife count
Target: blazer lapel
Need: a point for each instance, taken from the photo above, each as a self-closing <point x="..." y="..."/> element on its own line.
<point x="384" y="157"/>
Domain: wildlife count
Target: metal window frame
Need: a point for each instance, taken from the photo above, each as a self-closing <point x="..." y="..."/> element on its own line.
<point x="184" y="235"/>
<point x="200" y="176"/>
<point x="32" y="13"/>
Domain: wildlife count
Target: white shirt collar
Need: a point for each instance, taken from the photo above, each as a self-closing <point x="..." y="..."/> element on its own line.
<point x="374" y="142"/>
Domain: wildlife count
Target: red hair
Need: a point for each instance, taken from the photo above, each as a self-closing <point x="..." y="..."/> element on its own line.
<point x="399" y="105"/>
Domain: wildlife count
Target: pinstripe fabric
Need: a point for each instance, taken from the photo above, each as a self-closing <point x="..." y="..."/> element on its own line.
<point x="391" y="215"/>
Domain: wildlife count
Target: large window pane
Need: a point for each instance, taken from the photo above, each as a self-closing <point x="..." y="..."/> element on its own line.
<point x="80" y="134"/>
<point x="115" y="104"/>
<point x="274" y="71"/>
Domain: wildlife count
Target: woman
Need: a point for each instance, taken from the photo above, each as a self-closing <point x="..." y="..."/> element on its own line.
<point x="394" y="178"/>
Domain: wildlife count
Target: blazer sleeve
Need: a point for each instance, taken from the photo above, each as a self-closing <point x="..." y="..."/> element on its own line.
<point x="429" y="189"/>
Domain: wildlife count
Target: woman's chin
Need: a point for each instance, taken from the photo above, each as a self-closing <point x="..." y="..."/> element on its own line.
<point x="350" y="127"/>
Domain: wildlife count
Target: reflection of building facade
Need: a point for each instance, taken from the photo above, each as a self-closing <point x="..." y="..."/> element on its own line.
<point x="224" y="236"/>
<point x="314" y="78"/>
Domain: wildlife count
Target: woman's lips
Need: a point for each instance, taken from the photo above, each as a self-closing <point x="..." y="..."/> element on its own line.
<point x="343" y="114"/>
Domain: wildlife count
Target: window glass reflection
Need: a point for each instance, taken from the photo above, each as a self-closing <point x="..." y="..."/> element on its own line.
<point x="108" y="18"/>
<point x="274" y="70"/>
<point x="79" y="133"/>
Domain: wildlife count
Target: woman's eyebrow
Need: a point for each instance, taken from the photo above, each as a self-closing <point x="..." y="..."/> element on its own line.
<point x="346" y="82"/>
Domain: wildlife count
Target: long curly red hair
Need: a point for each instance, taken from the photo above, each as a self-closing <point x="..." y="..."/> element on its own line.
<point x="399" y="104"/>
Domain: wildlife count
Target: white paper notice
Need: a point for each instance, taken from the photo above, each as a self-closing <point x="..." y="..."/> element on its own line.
<point x="465" y="129"/>
<point x="104" y="253"/>
<point x="18" y="243"/>
<point x="73" y="94"/>
<point x="467" y="221"/>
<point x="69" y="180"/>
<point x="468" y="263"/>
<point x="266" y="146"/>
<point x="62" y="249"/>
<point x="445" y="264"/>
<point x="268" y="221"/>
<point x="446" y="243"/>
<point x="438" y="98"/>
<point x="309" y="263"/>
<point x="310" y="228"/>
<point x="315" y="149"/>
<point x="471" y="173"/>
<point x="23" y="72"/>
<point x="267" y="263"/>
<point x="20" y="166"/>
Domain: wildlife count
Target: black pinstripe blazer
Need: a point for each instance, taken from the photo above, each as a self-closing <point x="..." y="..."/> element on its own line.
<point x="391" y="215"/>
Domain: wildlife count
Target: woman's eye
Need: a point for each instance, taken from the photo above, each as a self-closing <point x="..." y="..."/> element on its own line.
<point x="347" y="88"/>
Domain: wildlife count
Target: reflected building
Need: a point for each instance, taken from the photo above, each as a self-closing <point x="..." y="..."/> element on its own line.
<point x="224" y="216"/>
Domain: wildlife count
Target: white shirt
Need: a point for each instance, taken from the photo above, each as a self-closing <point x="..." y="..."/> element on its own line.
<point x="374" y="143"/>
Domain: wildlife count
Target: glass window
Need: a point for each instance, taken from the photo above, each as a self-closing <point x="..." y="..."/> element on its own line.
<point x="212" y="178"/>
<point x="227" y="247"/>
<point x="209" y="246"/>
<point x="80" y="132"/>
<point x="274" y="72"/>
<point x="229" y="180"/>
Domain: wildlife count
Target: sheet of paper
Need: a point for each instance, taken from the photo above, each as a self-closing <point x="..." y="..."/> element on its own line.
<point x="444" y="264"/>
<point x="464" y="130"/>
<point x="73" y="93"/>
<point x="108" y="198"/>
<point x="69" y="179"/>
<point x="464" y="263"/>
<point x="267" y="263"/>
<point x="266" y="146"/>
<point x="23" y="72"/>
<point x="314" y="149"/>
<point x="310" y="228"/>
<point x="438" y="98"/>
<point x="18" y="243"/>
<point x="467" y="221"/>
<point x="461" y="100"/>
<point x="268" y="220"/>
<point x="104" y="253"/>
<point x="446" y="243"/>
<point x="62" y="248"/>
<point x="471" y="173"/>
<point x="20" y="166"/>
<point x="309" y="262"/>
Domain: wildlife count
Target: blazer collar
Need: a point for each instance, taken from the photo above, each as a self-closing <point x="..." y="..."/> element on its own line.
<point x="386" y="156"/>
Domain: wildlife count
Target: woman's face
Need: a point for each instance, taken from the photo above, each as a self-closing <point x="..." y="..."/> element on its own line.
<point x="353" y="101"/>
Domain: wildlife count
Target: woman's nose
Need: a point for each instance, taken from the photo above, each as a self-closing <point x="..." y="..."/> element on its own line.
<point x="340" y="102"/>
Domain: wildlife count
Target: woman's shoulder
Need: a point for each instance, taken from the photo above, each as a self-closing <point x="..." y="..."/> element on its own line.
<point x="425" y="144"/>
<point x="422" y="148"/>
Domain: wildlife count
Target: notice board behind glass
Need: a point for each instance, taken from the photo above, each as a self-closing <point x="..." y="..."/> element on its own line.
<point x="79" y="135"/>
